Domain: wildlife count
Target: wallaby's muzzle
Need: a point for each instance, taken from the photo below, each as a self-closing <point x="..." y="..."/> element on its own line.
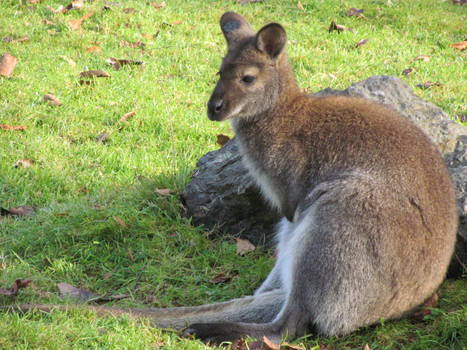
<point x="215" y="108"/>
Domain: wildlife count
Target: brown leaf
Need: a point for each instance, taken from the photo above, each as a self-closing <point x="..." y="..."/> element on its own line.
<point x="244" y="2"/>
<point x="220" y="278"/>
<point x="24" y="163"/>
<point x="51" y="99"/>
<point x="244" y="246"/>
<point x="300" y="6"/>
<point x="17" y="285"/>
<point x="334" y="26"/>
<point x="76" y="23"/>
<point x="129" y="10"/>
<point x="428" y="84"/>
<point x="134" y="45"/>
<point x="69" y="291"/>
<point x="159" y="5"/>
<point x="127" y="116"/>
<point x="460" y="46"/>
<point x="425" y="308"/>
<point x="119" y="221"/>
<point x="7" y="64"/>
<point x="12" y="127"/>
<point x="284" y="345"/>
<point x="361" y="42"/>
<point x="176" y="23"/>
<point x="423" y="58"/>
<point x="93" y="48"/>
<point x="366" y="347"/>
<point x="23" y="210"/>
<point x="164" y="191"/>
<point x="355" y="12"/>
<point x="271" y="345"/>
<point x="222" y="139"/>
<point x="407" y="71"/>
<point x="118" y="63"/>
<point x="107" y="275"/>
<point x="94" y="73"/>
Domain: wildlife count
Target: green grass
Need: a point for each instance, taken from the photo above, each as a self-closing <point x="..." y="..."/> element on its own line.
<point x="79" y="185"/>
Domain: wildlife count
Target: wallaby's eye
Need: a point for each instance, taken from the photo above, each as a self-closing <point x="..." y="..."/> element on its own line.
<point x="248" y="79"/>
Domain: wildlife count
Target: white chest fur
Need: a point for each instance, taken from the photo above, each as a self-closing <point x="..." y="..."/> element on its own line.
<point x="260" y="177"/>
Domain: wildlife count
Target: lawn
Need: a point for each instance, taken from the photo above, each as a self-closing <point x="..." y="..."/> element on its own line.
<point x="104" y="171"/>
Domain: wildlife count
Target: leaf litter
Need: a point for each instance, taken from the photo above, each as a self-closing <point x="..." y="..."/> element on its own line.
<point x="244" y="246"/>
<point x="7" y="64"/>
<point x="51" y="100"/>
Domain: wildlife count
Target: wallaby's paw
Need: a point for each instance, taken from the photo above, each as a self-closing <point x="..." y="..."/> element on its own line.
<point x="214" y="333"/>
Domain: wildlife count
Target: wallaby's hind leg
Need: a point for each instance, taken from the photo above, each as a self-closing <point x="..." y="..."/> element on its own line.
<point x="337" y="270"/>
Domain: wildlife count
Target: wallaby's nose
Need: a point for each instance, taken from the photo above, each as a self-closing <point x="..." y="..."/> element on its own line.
<point x="215" y="106"/>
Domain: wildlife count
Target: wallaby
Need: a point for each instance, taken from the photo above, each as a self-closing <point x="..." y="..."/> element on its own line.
<point x="369" y="210"/>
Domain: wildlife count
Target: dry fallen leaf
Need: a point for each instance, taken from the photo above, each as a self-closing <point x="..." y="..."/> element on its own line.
<point x="93" y="48"/>
<point x="7" y="64"/>
<point x="355" y="12"/>
<point x="407" y="71"/>
<point x="127" y="116"/>
<point x="222" y="139"/>
<point x="425" y="308"/>
<point x="23" y="210"/>
<point x="164" y="191"/>
<point x="94" y="73"/>
<point x="244" y="246"/>
<point x="460" y="46"/>
<point x="69" y="291"/>
<point x="334" y="26"/>
<point x="220" y="278"/>
<point x="176" y="23"/>
<point x="128" y="10"/>
<point x="159" y="5"/>
<point x="12" y="127"/>
<point x="361" y="42"/>
<point x="51" y="99"/>
<point x="283" y="345"/>
<point x="13" y="290"/>
<point x="423" y="58"/>
<point x="24" y="163"/>
<point x="366" y="347"/>
<point x="428" y="84"/>
<point x="76" y="23"/>
<point x="244" y="2"/>
<point x="300" y="6"/>
<point x="118" y="63"/>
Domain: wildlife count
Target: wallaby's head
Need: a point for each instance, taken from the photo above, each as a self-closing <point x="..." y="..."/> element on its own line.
<point x="255" y="71"/>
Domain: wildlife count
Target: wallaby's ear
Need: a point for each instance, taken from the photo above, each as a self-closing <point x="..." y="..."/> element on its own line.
<point x="235" y="28"/>
<point x="271" y="39"/>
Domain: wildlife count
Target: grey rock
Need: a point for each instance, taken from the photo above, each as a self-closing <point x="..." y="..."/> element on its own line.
<point x="223" y="198"/>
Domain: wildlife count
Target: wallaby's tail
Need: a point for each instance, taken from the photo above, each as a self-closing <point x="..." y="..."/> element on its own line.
<point x="260" y="308"/>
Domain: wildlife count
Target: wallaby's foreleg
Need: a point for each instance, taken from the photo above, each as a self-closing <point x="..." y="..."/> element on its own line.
<point x="247" y="309"/>
<point x="274" y="279"/>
